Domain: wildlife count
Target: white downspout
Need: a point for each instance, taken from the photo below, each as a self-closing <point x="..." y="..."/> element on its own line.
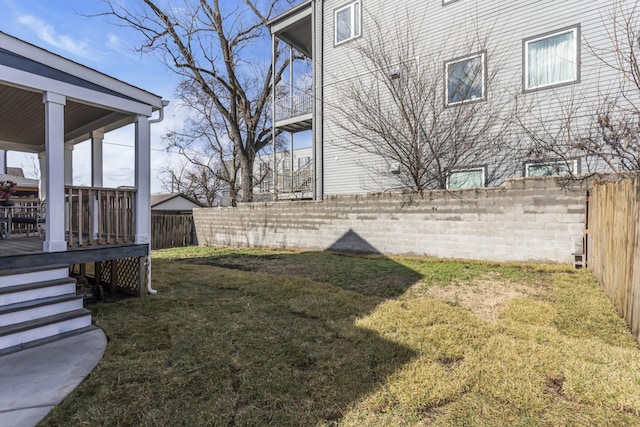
<point x="161" y="116"/>
<point x="150" y="290"/>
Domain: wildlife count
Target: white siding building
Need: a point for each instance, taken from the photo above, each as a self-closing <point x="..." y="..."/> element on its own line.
<point x="541" y="68"/>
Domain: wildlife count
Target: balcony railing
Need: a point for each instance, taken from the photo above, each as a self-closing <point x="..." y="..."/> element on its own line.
<point x="300" y="181"/>
<point x="296" y="104"/>
<point x="99" y="216"/>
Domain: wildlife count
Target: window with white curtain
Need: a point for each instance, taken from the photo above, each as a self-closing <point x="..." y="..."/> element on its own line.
<point x="469" y="178"/>
<point x="465" y="79"/>
<point x="347" y="22"/>
<point x="551" y="59"/>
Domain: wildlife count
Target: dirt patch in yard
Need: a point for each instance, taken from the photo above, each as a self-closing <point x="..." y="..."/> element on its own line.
<point x="486" y="297"/>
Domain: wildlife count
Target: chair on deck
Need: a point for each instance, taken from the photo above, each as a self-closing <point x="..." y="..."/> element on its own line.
<point x="33" y="218"/>
<point x="4" y="228"/>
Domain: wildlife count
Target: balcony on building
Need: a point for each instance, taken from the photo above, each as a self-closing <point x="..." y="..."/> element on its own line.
<point x="293" y="106"/>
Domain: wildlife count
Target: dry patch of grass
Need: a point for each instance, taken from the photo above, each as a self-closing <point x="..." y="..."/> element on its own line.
<point x="246" y="338"/>
<point x="485" y="297"/>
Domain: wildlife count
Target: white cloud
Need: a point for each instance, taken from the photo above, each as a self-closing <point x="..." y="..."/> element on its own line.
<point x="113" y="41"/>
<point x="48" y="34"/>
<point x="120" y="47"/>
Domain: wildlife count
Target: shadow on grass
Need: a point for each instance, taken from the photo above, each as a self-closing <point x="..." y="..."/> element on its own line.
<point x="295" y="356"/>
<point x="370" y="274"/>
<point x="265" y="340"/>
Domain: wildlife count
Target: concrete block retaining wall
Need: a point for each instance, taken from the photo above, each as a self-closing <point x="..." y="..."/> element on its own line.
<point x="529" y="219"/>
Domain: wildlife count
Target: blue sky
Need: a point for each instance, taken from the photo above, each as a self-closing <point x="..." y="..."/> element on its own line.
<point x="60" y="27"/>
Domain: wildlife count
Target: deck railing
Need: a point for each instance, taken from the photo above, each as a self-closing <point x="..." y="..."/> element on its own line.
<point x="99" y="216"/>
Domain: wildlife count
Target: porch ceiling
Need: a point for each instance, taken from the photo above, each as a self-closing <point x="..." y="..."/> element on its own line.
<point x="295" y="28"/>
<point x="22" y="119"/>
<point x="299" y="36"/>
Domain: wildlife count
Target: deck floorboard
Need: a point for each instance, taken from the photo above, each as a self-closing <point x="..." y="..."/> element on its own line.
<point x="17" y="245"/>
<point x="31" y="245"/>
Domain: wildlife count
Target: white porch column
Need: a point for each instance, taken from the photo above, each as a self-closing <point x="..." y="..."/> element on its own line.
<point x="3" y="161"/>
<point x="143" y="180"/>
<point x="68" y="180"/>
<point x="68" y="165"/>
<point x="54" y="164"/>
<point x="43" y="175"/>
<point x="97" y="137"/>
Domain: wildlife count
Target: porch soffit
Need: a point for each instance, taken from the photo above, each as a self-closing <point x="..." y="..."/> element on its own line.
<point x="22" y="118"/>
<point x="295" y="28"/>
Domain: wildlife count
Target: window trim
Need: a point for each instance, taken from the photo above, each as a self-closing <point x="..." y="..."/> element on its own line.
<point x="354" y="34"/>
<point x="483" y="58"/>
<point x="575" y="29"/>
<point x="482" y="169"/>
<point x="575" y="166"/>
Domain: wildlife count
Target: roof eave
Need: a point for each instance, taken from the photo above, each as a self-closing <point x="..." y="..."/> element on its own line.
<point x="53" y="60"/>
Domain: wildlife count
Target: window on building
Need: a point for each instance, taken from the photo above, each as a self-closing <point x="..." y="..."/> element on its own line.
<point x="347" y="22"/>
<point x="551" y="59"/>
<point x="552" y="168"/>
<point x="465" y="79"/>
<point x="469" y="178"/>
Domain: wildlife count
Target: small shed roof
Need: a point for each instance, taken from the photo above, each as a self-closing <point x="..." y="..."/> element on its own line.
<point x="158" y="199"/>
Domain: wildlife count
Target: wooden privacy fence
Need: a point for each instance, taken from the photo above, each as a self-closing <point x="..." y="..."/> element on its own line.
<point x="171" y="230"/>
<point x="614" y="236"/>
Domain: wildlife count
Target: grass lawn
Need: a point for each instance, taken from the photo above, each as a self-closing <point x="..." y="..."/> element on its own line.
<point x="282" y="338"/>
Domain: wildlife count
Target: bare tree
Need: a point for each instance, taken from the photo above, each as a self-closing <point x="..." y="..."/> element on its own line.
<point x="550" y="123"/>
<point x="203" y="142"/>
<point x="399" y="111"/>
<point x="217" y="48"/>
<point x="197" y="181"/>
<point x="601" y="130"/>
<point x="614" y="132"/>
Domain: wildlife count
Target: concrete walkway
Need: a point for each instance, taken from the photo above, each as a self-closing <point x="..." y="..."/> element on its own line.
<point x="34" y="380"/>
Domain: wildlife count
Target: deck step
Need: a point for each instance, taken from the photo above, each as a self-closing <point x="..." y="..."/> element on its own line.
<point x="42" y="341"/>
<point x="22" y="333"/>
<point x="33" y="291"/>
<point x="38" y="305"/>
<point x="21" y="276"/>
<point x="43" y="307"/>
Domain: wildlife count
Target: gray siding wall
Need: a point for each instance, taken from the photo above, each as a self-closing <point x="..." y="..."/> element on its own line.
<point x="444" y="32"/>
<point x="531" y="219"/>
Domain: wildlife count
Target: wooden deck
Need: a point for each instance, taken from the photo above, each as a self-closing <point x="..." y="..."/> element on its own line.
<point x="23" y="251"/>
<point x="17" y="245"/>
